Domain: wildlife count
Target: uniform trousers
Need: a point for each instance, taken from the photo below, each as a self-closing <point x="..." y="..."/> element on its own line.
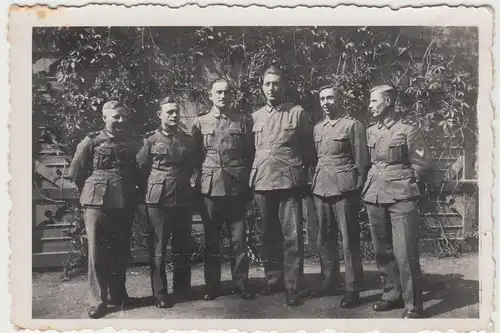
<point x="395" y="236"/>
<point x="334" y="213"/>
<point x="217" y="211"/>
<point x="164" y="223"/>
<point x="281" y="235"/>
<point x="108" y="234"/>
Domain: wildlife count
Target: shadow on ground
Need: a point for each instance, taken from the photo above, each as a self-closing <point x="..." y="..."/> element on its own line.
<point x="450" y="288"/>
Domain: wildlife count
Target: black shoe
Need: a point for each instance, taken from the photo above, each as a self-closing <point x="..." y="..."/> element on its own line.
<point x="246" y="294"/>
<point x="293" y="298"/>
<point x="271" y="289"/>
<point x="413" y="314"/>
<point x="98" y="311"/>
<point x="384" y="305"/>
<point x="129" y="301"/>
<point x="210" y="295"/>
<point x="350" y="300"/>
<point x="163" y="302"/>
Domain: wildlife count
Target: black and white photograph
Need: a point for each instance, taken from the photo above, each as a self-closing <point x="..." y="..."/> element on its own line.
<point x="257" y="171"/>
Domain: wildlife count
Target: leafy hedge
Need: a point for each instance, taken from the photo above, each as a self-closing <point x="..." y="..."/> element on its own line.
<point x="434" y="68"/>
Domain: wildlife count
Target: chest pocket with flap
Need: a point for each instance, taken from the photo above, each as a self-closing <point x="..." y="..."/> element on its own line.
<point x="257" y="133"/>
<point x="397" y="149"/>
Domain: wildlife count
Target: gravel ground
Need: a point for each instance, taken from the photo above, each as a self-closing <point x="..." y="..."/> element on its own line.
<point x="451" y="290"/>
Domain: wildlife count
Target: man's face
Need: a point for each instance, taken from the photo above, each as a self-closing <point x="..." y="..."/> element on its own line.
<point x="169" y="115"/>
<point x="273" y="88"/>
<point x="116" y="120"/>
<point x="378" y="104"/>
<point x="220" y="94"/>
<point x="328" y="100"/>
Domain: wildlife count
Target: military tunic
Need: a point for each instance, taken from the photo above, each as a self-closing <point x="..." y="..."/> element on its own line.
<point x="166" y="164"/>
<point x="226" y="144"/>
<point x="400" y="159"/>
<point x="283" y="153"/>
<point x="104" y="169"/>
<point x="340" y="172"/>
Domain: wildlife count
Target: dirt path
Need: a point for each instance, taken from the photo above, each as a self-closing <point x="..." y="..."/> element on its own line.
<point x="451" y="290"/>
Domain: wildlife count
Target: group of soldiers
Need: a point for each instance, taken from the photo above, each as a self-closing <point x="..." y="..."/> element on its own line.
<point x="278" y="155"/>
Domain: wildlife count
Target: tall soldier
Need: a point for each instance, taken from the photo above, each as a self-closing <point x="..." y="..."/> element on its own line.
<point x="400" y="161"/>
<point x="227" y="153"/>
<point x="284" y="150"/>
<point x="104" y="169"/>
<point x="341" y="168"/>
<point x="166" y="161"/>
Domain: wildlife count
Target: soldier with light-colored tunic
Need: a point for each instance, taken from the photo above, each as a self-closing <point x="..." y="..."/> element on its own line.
<point x="105" y="170"/>
<point x="400" y="162"/>
<point x="341" y="168"/>
<point x="166" y="161"/>
<point x="283" y="153"/>
<point x="225" y="139"/>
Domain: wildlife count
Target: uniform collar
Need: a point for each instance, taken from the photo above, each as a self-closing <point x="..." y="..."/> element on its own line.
<point x="331" y="122"/>
<point x="108" y="134"/>
<point x="278" y="107"/>
<point x="217" y="114"/>
<point x="387" y="124"/>
<point x="167" y="133"/>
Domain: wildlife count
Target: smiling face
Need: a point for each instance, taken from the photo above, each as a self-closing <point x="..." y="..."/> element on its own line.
<point x="169" y="115"/>
<point x="379" y="102"/>
<point x="115" y="120"/>
<point x="328" y="100"/>
<point x="273" y="87"/>
<point x="220" y="94"/>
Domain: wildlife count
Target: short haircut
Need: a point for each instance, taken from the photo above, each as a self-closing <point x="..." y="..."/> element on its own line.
<point x="167" y="100"/>
<point x="113" y="105"/>
<point x="227" y="81"/>
<point x="387" y="90"/>
<point x="275" y="71"/>
<point x="336" y="89"/>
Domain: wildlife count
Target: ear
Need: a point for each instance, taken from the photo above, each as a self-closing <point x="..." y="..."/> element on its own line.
<point x="158" y="113"/>
<point x="388" y="100"/>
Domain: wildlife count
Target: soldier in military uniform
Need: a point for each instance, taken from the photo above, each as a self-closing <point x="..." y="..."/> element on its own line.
<point x="104" y="169"/>
<point x="166" y="162"/>
<point x="400" y="162"/>
<point x="284" y="150"/>
<point x="225" y="137"/>
<point x="341" y="168"/>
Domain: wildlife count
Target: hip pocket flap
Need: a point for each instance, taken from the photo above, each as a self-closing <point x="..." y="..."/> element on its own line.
<point x="94" y="191"/>
<point x="340" y="137"/>
<point x="403" y="174"/>
<point x="155" y="191"/>
<point x="257" y="127"/>
<point x="397" y="143"/>
<point x="236" y="131"/>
